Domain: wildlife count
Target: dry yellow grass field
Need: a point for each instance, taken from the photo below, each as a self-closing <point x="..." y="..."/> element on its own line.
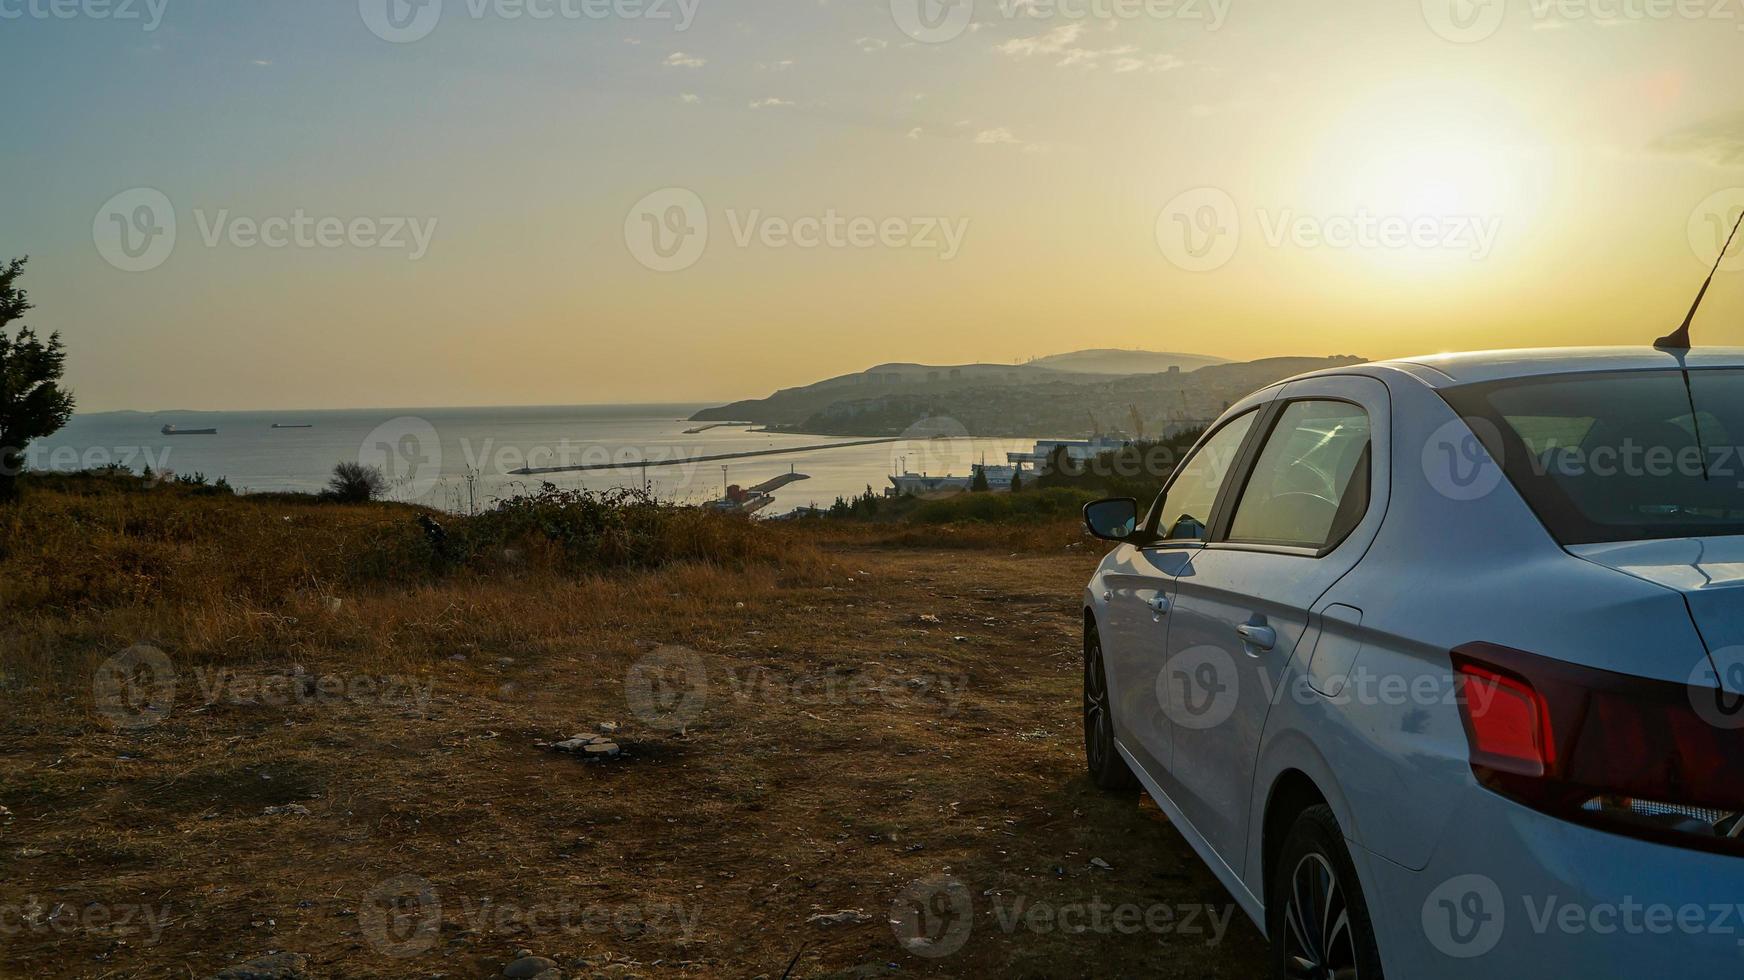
<point x="846" y="751"/>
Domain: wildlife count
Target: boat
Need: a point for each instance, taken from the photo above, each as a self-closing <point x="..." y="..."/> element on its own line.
<point x="1078" y="450"/>
<point x="170" y="430"/>
<point x="923" y="484"/>
<point x="292" y="425"/>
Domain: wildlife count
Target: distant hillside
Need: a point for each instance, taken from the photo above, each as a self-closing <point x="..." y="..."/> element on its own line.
<point x="1027" y="400"/>
<point x="1110" y="361"/>
<point x="791" y="406"/>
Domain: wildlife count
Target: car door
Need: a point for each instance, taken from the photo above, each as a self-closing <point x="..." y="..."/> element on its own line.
<point x="1299" y="517"/>
<point x="1140" y="584"/>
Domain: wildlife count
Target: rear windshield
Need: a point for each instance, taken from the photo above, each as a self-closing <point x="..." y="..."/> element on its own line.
<point x="1618" y="456"/>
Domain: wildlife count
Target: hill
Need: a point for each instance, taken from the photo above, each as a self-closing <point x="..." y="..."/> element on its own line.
<point x="1021" y="400"/>
<point x="1110" y="361"/>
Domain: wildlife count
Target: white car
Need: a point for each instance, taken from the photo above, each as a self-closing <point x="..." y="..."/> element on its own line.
<point x="1437" y="663"/>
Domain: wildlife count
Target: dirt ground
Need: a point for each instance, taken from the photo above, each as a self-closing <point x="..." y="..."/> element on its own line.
<point x="874" y="770"/>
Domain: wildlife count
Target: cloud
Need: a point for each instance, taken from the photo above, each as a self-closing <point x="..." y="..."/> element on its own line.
<point x="678" y="59"/>
<point x="769" y="103"/>
<point x="1053" y="42"/>
<point x="1718" y="141"/>
<point x="1062" y="45"/>
<point x="782" y="65"/>
<point x="1155" y="63"/>
<point x="990" y="137"/>
<point x="690" y="98"/>
<point x="870" y="44"/>
<point x="914" y="133"/>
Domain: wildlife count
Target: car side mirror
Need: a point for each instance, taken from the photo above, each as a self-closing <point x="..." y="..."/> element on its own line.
<point x="1114" y="519"/>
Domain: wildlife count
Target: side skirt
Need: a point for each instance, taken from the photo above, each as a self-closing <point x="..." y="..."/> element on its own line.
<point x="1254" y="908"/>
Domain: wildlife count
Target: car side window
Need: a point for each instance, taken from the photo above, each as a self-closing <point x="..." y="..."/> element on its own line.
<point x="1310" y="484"/>
<point x="1185" y="514"/>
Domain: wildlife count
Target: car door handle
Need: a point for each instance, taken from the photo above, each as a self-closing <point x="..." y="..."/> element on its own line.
<point x="1160" y="605"/>
<point x="1258" y="637"/>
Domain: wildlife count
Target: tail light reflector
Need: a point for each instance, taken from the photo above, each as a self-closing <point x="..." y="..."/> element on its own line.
<point x="1627" y="754"/>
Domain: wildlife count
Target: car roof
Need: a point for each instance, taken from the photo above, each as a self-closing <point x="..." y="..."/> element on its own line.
<point x="1472" y="367"/>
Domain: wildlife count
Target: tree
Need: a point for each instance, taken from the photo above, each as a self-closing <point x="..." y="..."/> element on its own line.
<point x="1016" y="480"/>
<point x="32" y="402"/>
<point x="355" y="483"/>
<point x="979" y="483"/>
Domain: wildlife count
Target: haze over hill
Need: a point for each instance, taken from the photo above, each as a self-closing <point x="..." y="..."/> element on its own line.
<point x="1034" y="399"/>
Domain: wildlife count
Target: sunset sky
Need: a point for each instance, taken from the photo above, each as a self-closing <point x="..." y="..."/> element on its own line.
<point x="1373" y="177"/>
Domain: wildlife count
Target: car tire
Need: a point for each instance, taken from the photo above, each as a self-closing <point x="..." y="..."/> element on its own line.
<point x="1107" y="769"/>
<point x="1315" y="912"/>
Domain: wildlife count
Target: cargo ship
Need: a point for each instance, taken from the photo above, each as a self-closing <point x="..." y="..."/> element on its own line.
<point x="170" y="430"/>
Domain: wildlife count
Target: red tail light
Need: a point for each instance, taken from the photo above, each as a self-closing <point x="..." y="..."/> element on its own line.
<point x="1624" y="753"/>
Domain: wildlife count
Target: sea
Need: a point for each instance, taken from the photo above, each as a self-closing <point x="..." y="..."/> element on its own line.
<point x="463" y="459"/>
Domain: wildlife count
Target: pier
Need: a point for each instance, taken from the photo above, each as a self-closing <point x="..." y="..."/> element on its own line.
<point x="717" y="425"/>
<point x="688" y="460"/>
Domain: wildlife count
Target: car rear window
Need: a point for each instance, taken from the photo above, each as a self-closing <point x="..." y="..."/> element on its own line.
<point x="1618" y="456"/>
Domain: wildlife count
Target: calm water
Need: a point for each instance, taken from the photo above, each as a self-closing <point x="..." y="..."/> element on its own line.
<point x="429" y="453"/>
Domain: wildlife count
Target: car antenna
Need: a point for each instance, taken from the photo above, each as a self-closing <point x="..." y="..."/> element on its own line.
<point x="1680" y="338"/>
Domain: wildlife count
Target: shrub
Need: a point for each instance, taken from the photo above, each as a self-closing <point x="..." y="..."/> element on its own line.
<point x="355" y="483"/>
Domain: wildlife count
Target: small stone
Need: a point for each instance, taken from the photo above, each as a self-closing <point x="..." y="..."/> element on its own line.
<point x="459" y="657"/>
<point x="334" y="603"/>
<point x="846" y="917"/>
<point x="1099" y="863"/>
<point x="575" y="743"/>
<point x="930" y="618"/>
<point x="505" y="661"/>
<point x="287" y="810"/>
<point x="5" y="812"/>
<point x="609" y="727"/>
<point x="960" y="639"/>
<point x="603" y="750"/>
<point x="276" y="966"/>
<point x="528" y="967"/>
<point x="31" y="852"/>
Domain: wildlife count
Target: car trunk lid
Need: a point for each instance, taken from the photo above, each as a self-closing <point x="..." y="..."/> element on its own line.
<point x="1709" y="572"/>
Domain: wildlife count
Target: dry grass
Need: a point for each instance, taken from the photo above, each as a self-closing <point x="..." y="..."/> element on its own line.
<point x="880" y="706"/>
